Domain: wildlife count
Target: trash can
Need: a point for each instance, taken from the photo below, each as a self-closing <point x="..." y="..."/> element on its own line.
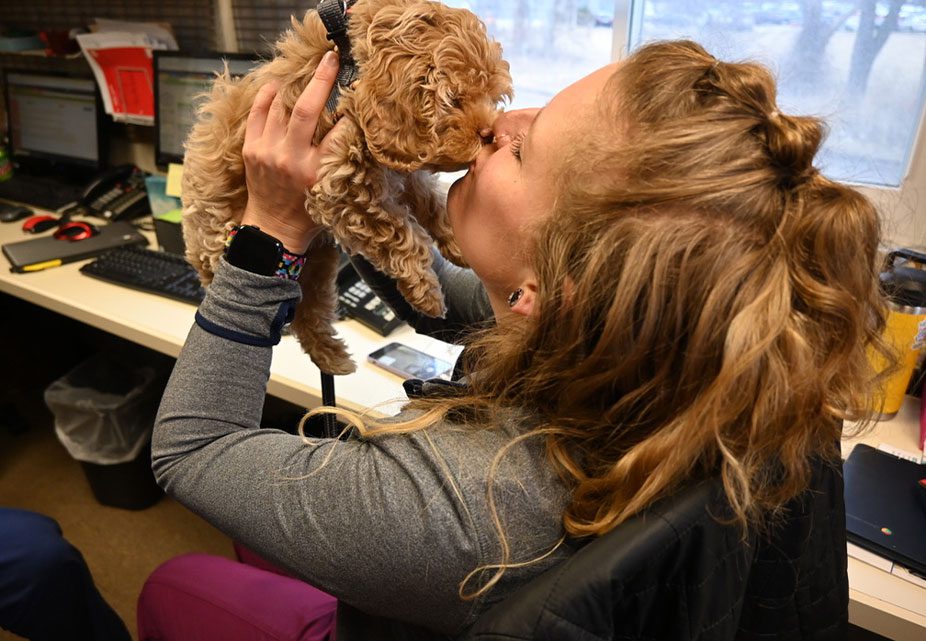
<point x="104" y="413"/>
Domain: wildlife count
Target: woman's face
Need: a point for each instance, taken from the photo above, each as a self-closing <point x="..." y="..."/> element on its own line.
<point x="510" y="185"/>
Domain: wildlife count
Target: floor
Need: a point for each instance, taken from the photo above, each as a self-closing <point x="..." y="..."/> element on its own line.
<point x="121" y="546"/>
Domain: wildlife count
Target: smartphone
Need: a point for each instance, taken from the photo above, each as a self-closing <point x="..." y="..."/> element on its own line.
<point x="409" y="362"/>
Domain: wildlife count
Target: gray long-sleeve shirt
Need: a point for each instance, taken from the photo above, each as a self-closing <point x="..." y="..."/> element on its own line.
<point x="389" y="525"/>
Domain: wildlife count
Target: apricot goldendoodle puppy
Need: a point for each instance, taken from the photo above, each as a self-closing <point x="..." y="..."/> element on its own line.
<point x="429" y="85"/>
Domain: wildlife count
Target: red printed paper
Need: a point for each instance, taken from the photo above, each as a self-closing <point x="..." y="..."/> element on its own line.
<point x="129" y="79"/>
<point x="122" y="66"/>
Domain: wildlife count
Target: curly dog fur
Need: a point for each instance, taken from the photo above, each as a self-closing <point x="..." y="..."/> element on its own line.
<point x="429" y="87"/>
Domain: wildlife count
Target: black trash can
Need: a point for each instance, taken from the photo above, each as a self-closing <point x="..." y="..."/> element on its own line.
<point x="104" y="412"/>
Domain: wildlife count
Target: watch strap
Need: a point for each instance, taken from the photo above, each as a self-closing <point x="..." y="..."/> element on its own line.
<point x="290" y="265"/>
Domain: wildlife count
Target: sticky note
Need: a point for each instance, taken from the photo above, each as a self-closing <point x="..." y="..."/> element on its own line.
<point x="174" y="180"/>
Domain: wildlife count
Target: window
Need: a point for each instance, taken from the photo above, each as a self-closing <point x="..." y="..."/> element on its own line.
<point x="859" y="64"/>
<point x="548" y="43"/>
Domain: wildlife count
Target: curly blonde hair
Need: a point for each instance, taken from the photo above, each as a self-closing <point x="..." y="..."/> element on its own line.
<point x="706" y="299"/>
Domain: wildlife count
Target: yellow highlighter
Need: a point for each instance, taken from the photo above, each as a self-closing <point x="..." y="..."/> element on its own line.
<point x="37" y="267"/>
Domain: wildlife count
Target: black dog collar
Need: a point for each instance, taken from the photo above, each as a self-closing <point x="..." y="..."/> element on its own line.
<point x="334" y="16"/>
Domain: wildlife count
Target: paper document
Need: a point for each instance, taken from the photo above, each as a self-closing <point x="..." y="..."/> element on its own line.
<point x="122" y="65"/>
<point x="160" y="36"/>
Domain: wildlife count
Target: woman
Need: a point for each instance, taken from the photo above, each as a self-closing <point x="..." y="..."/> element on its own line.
<point x="677" y="293"/>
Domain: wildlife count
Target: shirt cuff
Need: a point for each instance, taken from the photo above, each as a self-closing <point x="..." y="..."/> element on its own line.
<point x="247" y="308"/>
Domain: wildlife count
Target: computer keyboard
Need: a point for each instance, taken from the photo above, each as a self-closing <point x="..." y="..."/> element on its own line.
<point x="152" y="271"/>
<point x="40" y="191"/>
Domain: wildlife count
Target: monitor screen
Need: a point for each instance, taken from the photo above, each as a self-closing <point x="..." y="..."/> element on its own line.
<point x="180" y="84"/>
<point x="54" y="118"/>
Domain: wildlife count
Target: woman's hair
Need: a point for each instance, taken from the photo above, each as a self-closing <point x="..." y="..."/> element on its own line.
<point x="707" y="296"/>
<point x="706" y="299"/>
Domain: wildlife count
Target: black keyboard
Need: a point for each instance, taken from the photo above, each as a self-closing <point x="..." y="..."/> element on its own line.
<point x="43" y="192"/>
<point x="152" y="271"/>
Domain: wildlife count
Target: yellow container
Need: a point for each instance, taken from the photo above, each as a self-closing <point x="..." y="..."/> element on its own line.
<point x="906" y="333"/>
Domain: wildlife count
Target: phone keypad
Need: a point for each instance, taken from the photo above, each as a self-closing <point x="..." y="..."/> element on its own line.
<point x="359" y="302"/>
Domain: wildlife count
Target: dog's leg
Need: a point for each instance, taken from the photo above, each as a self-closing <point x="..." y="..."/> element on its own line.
<point x="430" y="209"/>
<point x="395" y="244"/>
<point x="313" y="323"/>
<point x="353" y="200"/>
<point x="404" y="253"/>
<point x="214" y="188"/>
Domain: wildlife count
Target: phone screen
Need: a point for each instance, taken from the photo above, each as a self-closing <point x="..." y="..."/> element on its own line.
<point x="410" y="363"/>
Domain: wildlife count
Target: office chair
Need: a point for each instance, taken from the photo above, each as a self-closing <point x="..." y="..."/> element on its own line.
<point x="675" y="572"/>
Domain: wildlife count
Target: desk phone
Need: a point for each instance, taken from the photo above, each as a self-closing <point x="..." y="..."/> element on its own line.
<point x="117" y="194"/>
<point x="356" y="300"/>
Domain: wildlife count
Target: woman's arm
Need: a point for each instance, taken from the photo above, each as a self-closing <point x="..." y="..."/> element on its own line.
<point x="351" y="517"/>
<point x="363" y="520"/>
<point x="467" y="303"/>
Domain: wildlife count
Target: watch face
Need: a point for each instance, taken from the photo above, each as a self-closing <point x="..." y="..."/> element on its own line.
<point x="254" y="251"/>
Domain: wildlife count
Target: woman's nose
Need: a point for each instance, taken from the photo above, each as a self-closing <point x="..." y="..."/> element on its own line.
<point x="511" y="123"/>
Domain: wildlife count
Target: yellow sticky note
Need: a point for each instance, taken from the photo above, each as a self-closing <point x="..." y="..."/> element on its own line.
<point x="174" y="179"/>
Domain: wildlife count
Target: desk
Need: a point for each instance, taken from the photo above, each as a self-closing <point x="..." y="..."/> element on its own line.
<point x="879" y="601"/>
<point x="162" y="324"/>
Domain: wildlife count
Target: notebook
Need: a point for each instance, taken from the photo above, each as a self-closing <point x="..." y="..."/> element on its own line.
<point x="41" y="253"/>
<point x="884" y="513"/>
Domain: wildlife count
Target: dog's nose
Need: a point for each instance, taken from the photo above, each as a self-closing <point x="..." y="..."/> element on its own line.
<point x="487" y="135"/>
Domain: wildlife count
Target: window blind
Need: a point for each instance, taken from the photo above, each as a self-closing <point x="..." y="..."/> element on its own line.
<point x="193" y="21"/>
<point x="258" y="24"/>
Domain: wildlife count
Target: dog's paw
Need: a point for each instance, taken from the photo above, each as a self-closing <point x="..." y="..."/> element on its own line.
<point x="427" y="300"/>
<point x="334" y="363"/>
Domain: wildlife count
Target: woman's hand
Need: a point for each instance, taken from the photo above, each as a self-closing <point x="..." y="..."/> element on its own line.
<point x="280" y="161"/>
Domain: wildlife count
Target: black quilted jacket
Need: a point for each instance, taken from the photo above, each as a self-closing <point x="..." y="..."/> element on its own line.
<point x="676" y="573"/>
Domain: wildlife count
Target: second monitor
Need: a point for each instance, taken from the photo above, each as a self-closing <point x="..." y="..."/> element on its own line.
<point x="181" y="81"/>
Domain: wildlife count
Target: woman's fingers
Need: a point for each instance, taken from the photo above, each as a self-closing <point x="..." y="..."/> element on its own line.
<point x="275" y="128"/>
<point x="325" y="143"/>
<point x="257" y="117"/>
<point x="280" y="160"/>
<point x="309" y="106"/>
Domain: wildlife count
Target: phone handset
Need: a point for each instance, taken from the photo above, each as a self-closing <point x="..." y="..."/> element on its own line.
<point x="117" y="194"/>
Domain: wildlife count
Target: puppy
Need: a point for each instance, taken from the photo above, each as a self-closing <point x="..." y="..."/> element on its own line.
<point x="429" y="86"/>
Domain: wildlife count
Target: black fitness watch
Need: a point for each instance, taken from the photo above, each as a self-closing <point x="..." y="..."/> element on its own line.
<point x="253" y="250"/>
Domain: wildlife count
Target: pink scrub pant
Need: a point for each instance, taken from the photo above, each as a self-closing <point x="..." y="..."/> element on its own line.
<point x="199" y="597"/>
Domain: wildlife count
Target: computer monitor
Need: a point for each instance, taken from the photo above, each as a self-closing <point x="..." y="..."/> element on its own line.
<point x="54" y="119"/>
<point x="181" y="82"/>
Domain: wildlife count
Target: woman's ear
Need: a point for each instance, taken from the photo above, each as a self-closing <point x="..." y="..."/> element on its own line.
<point x="521" y="301"/>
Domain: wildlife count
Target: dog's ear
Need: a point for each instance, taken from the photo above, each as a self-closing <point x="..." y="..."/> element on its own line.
<point x="395" y="100"/>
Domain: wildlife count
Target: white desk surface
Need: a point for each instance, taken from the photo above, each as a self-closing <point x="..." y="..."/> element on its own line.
<point x="162" y="324"/>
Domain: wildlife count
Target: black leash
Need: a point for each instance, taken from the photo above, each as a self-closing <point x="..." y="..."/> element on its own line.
<point x="331" y="423"/>
<point x="334" y="16"/>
